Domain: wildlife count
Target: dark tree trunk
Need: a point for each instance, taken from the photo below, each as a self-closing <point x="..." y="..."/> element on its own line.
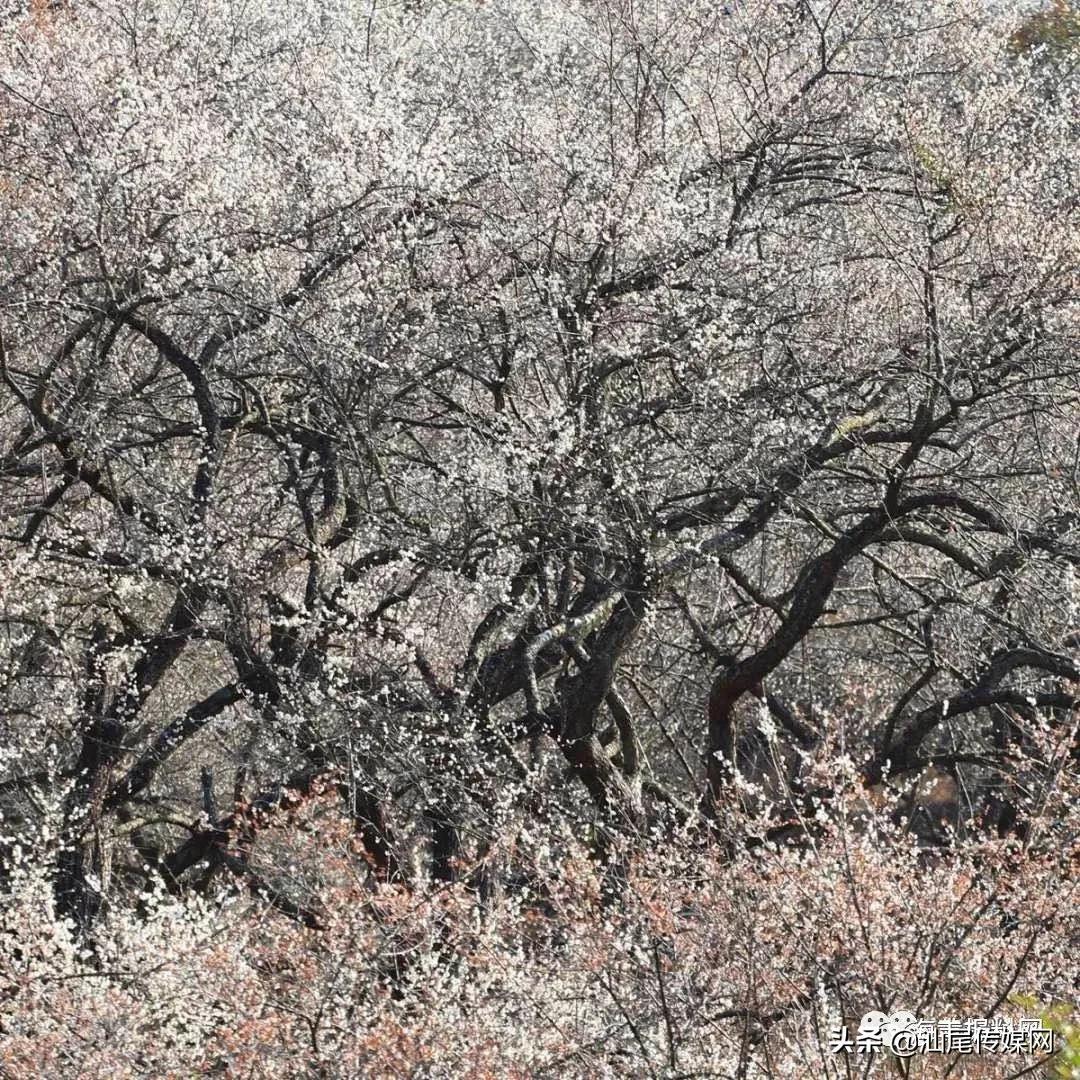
<point x="82" y="873"/>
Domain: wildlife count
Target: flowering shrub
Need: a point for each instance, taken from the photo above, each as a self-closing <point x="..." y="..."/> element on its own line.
<point x="707" y="966"/>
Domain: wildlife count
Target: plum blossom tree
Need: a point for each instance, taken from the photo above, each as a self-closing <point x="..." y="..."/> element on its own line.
<point x="524" y="428"/>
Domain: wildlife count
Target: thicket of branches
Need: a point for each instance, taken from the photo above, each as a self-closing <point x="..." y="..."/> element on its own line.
<point x="486" y="454"/>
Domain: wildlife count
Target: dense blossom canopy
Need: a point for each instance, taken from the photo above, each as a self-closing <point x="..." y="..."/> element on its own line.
<point x="466" y="464"/>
